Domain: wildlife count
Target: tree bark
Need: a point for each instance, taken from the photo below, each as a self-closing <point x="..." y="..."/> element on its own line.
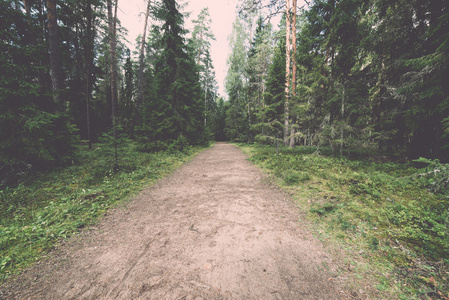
<point x="205" y="96"/>
<point x="342" y="111"/>
<point x="378" y="105"/>
<point x="287" y="74"/>
<point x="294" y="67"/>
<point x="113" y="71"/>
<point x="27" y="6"/>
<point x="198" y="59"/>
<point x="89" y="58"/>
<point x="57" y="76"/>
<point x="112" y="60"/>
<point x="140" y="84"/>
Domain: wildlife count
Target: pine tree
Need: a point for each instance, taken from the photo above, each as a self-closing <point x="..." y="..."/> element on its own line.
<point x="176" y="111"/>
<point x="201" y="43"/>
<point x="372" y="75"/>
<point x="271" y="115"/>
<point x="237" y="125"/>
<point x="126" y="104"/>
<point x="140" y="76"/>
<point x="89" y="45"/>
<point x="287" y="72"/>
<point x="294" y="70"/>
<point x="112" y="21"/>
<point x="57" y="75"/>
<point x="32" y="134"/>
<point x="220" y="119"/>
<point x="259" y="58"/>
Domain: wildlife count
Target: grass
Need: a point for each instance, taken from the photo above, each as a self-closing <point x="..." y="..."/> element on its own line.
<point x="46" y="208"/>
<point x="393" y="229"/>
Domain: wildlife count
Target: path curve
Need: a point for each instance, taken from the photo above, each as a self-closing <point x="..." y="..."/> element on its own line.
<point x="214" y="229"/>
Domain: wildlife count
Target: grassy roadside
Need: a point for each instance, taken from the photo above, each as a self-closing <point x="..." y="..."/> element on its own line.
<point x="43" y="210"/>
<point x="390" y="232"/>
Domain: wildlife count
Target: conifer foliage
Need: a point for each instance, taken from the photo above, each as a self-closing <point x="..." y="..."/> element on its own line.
<point x="33" y="129"/>
<point x="68" y="79"/>
<point x="365" y="75"/>
<point x="176" y="109"/>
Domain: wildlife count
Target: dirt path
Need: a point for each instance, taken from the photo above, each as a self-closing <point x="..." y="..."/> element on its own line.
<point x="211" y="230"/>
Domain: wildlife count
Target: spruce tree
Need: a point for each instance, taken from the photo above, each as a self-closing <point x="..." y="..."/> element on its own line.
<point x="272" y="113"/>
<point x="259" y="58"/>
<point x="32" y="134"/>
<point x="237" y="125"/>
<point x="126" y="104"/>
<point x="201" y="45"/>
<point x="176" y="111"/>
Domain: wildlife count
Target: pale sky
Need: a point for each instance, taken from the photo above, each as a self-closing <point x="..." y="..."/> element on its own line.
<point x="222" y="12"/>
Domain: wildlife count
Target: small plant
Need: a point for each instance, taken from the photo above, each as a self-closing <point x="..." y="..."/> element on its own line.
<point x="374" y="243"/>
<point x="181" y="144"/>
<point x="294" y="177"/>
<point x="435" y="176"/>
<point x="323" y="210"/>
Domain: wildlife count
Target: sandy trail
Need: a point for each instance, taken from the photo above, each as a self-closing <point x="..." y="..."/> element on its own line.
<point x="211" y="230"/>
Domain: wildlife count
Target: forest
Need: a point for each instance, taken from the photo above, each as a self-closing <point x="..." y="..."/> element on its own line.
<point x="341" y="79"/>
<point x="349" y="75"/>
<point x="86" y="122"/>
<point x="68" y="79"/>
<point x="364" y="76"/>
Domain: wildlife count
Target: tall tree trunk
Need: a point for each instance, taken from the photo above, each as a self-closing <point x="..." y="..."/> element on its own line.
<point x="294" y="67"/>
<point x="140" y="81"/>
<point x="205" y="95"/>
<point x="113" y="71"/>
<point x="78" y="54"/>
<point x="57" y="76"/>
<point x="287" y="74"/>
<point x="342" y="111"/>
<point x="42" y="36"/>
<point x="198" y="59"/>
<point x="89" y="58"/>
<point x="378" y="106"/>
<point x="27" y="6"/>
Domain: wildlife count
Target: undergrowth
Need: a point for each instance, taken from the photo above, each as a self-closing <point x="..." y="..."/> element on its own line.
<point x="46" y="208"/>
<point x="393" y="215"/>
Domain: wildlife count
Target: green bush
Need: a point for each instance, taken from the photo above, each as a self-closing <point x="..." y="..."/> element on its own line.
<point x="435" y="176"/>
<point x="145" y="144"/>
<point x="181" y="144"/>
<point x="294" y="177"/>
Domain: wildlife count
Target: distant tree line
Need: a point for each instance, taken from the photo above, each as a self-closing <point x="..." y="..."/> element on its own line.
<point x="365" y="75"/>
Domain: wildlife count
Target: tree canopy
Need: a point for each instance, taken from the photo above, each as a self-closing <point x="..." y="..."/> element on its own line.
<point x="68" y="79"/>
<point x="361" y="75"/>
<point x="371" y="76"/>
